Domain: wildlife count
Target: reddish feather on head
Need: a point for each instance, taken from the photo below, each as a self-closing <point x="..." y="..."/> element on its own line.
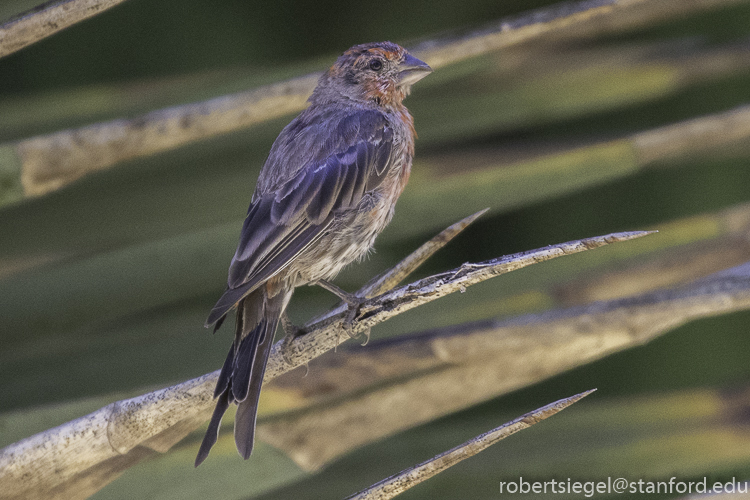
<point x="354" y="68"/>
<point x="389" y="50"/>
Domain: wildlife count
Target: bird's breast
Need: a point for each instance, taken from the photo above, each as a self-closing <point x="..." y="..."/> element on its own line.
<point x="353" y="231"/>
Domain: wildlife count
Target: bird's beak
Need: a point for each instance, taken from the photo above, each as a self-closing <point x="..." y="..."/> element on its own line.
<point x="411" y="70"/>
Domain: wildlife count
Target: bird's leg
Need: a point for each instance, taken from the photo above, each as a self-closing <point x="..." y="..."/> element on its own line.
<point x="353" y="302"/>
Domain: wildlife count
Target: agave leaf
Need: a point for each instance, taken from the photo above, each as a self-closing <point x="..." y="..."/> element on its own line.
<point x="83" y="455"/>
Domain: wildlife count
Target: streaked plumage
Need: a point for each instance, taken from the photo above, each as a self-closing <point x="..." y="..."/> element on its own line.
<point x="327" y="189"/>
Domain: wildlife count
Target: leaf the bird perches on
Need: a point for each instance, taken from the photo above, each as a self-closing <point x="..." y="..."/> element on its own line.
<point x="120" y="433"/>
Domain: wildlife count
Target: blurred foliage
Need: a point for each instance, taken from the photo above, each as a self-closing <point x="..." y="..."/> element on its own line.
<point x="106" y="282"/>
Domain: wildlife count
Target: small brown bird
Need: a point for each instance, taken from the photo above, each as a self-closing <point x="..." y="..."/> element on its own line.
<point x="327" y="189"/>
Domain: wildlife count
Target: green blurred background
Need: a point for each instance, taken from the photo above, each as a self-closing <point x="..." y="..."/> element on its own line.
<point x="81" y="318"/>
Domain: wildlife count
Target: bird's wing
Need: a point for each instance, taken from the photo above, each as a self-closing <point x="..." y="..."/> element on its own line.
<point x="282" y="223"/>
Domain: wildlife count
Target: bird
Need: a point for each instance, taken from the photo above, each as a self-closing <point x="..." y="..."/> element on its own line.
<point x="328" y="187"/>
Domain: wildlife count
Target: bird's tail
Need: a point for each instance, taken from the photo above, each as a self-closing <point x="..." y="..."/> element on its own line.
<point x="242" y="374"/>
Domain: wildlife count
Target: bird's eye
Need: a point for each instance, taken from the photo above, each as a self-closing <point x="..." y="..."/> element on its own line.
<point x="376" y="65"/>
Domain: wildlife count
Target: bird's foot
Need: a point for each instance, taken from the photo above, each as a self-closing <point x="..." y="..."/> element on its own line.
<point x="291" y="332"/>
<point x="353" y="302"/>
<point x="290" y="329"/>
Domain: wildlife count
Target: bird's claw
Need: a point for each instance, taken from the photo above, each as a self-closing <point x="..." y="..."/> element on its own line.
<point x="353" y="303"/>
<point x="291" y="332"/>
<point x="290" y="329"/>
<point x="348" y="322"/>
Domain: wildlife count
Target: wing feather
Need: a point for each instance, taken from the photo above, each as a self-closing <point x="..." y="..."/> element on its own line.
<point x="282" y="223"/>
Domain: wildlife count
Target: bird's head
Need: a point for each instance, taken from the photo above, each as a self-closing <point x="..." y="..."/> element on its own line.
<point x="380" y="73"/>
